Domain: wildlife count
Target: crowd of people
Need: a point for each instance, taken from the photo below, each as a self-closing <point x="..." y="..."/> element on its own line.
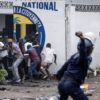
<point x="23" y="59"/>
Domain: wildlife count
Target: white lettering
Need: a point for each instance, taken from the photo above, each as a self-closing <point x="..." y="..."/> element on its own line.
<point x="28" y="14"/>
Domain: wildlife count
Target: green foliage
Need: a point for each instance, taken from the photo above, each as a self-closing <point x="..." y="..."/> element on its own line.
<point x="3" y="74"/>
<point x="16" y="20"/>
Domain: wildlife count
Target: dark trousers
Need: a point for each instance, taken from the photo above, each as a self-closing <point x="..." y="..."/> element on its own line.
<point x="71" y="88"/>
<point x="32" y="71"/>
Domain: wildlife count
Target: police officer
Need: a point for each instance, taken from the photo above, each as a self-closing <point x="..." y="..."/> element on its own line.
<point x="74" y="71"/>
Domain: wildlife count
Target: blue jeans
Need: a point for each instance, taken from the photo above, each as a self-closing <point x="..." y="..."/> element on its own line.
<point x="32" y="71"/>
<point x="70" y="88"/>
<point x="15" y="65"/>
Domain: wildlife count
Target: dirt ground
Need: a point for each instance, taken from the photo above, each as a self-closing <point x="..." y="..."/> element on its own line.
<point x="42" y="88"/>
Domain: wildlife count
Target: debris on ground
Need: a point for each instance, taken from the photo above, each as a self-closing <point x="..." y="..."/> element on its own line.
<point x="46" y="89"/>
<point x="88" y="89"/>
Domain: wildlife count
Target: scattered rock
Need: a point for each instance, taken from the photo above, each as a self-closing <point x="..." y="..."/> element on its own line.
<point x="3" y="89"/>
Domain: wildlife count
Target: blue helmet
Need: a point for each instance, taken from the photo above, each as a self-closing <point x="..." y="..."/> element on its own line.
<point x="88" y="46"/>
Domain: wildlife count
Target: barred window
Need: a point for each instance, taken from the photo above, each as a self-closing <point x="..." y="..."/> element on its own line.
<point x="87" y="8"/>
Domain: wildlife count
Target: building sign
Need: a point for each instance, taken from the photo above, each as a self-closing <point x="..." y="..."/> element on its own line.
<point x="26" y="16"/>
<point x="41" y="5"/>
<point x="6" y="5"/>
<point x="29" y="14"/>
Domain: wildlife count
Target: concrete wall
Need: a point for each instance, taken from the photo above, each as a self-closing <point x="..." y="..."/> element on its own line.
<point x="54" y="25"/>
<point x="86" y="22"/>
<point x="84" y="2"/>
<point x="6" y="6"/>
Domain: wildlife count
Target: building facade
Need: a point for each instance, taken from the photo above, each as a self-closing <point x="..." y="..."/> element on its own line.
<point x="55" y="21"/>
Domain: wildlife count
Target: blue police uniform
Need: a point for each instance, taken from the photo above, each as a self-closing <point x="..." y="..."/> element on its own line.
<point x="74" y="71"/>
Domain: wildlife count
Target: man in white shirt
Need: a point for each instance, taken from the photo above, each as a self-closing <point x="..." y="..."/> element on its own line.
<point x="26" y="45"/>
<point x="3" y="55"/>
<point x="48" y="58"/>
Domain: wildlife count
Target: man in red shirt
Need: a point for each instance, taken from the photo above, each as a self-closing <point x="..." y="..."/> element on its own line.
<point x="34" y="61"/>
